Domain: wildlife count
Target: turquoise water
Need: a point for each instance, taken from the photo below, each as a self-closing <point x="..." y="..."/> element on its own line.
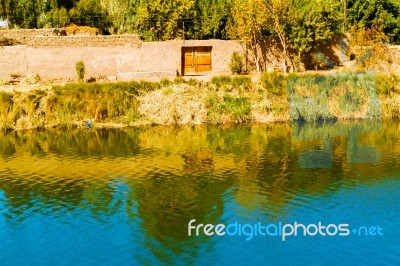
<point x="125" y="197"/>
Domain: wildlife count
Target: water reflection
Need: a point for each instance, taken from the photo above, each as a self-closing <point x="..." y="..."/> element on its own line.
<point x="157" y="179"/>
<point x="322" y="158"/>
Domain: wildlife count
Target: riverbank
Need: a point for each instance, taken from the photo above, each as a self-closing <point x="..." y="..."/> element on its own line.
<point x="223" y="100"/>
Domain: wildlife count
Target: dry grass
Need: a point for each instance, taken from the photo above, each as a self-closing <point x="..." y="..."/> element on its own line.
<point x="167" y="102"/>
<point x="176" y="104"/>
<point x="81" y="30"/>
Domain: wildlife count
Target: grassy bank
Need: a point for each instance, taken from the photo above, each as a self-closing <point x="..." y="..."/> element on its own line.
<point x="225" y="99"/>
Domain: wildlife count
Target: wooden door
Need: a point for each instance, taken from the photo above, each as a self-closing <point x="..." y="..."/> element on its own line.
<point x="196" y="60"/>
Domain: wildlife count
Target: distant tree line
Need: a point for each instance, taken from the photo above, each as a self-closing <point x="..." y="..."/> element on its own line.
<point x="203" y="19"/>
<point x="299" y="25"/>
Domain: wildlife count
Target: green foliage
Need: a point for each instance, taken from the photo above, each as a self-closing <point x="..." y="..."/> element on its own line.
<point x="248" y="19"/>
<point x="95" y="101"/>
<point x="211" y="19"/>
<point x="120" y="15"/>
<point x="57" y="17"/>
<point x="241" y="81"/>
<point x="236" y="64"/>
<point x="273" y="82"/>
<point x="312" y="23"/>
<point x="35" y="13"/>
<point x="383" y="14"/>
<point x="193" y="82"/>
<point x="6" y="104"/>
<point x="162" y="20"/>
<point x="90" y="13"/>
<point x="388" y="84"/>
<point x="179" y="80"/>
<point x="329" y="97"/>
<point x="80" y="70"/>
<point x="221" y="80"/>
<point x="237" y="109"/>
<point x="165" y="82"/>
<point x="301" y="23"/>
<point x="320" y="61"/>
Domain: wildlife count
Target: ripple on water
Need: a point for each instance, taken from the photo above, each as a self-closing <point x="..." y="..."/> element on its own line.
<point x="121" y="196"/>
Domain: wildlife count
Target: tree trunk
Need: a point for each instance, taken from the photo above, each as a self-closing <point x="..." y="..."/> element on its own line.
<point x="284" y="58"/>
<point x="256" y="54"/>
<point x="256" y="59"/>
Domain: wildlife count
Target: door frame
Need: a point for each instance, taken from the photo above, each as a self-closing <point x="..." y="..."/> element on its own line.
<point x="194" y="54"/>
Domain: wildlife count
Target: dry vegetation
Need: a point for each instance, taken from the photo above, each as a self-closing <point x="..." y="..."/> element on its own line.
<point x="73" y="29"/>
<point x="223" y="100"/>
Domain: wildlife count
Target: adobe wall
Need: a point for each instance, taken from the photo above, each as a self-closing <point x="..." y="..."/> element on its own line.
<point x="52" y="62"/>
<point x="46" y="38"/>
<point x="124" y="56"/>
<point x="24" y="36"/>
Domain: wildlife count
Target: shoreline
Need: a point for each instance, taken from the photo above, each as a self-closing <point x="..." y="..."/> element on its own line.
<point x="224" y="100"/>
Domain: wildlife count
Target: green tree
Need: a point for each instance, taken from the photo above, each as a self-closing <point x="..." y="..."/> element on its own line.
<point x="279" y="20"/>
<point x="383" y="14"/>
<point x="23" y="13"/>
<point x="236" y="64"/>
<point x="90" y="13"/>
<point x="162" y="19"/>
<point x="57" y="17"/>
<point x="118" y="13"/>
<point x="312" y="23"/>
<point x="210" y="20"/>
<point x="35" y="13"/>
<point x="80" y="70"/>
<point x="248" y="21"/>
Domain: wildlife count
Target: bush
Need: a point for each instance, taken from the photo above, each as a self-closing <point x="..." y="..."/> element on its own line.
<point x="221" y="80"/>
<point x="80" y="70"/>
<point x="179" y="80"/>
<point x="165" y="82"/>
<point x="244" y="81"/>
<point x="193" y="82"/>
<point x="236" y="64"/>
<point x="273" y="82"/>
<point x="238" y="109"/>
<point x="388" y="84"/>
<point x="320" y="61"/>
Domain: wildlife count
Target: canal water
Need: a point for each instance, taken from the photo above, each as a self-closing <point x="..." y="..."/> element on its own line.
<point x="127" y="196"/>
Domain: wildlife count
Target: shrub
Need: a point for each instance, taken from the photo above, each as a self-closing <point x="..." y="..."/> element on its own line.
<point x="221" y="80"/>
<point x="179" y="80"/>
<point x="165" y="82"/>
<point x="273" y="82"/>
<point x="80" y="70"/>
<point x="243" y="81"/>
<point x="238" y="109"/>
<point x="320" y="61"/>
<point x="236" y="64"/>
<point x="388" y="84"/>
<point x="193" y="82"/>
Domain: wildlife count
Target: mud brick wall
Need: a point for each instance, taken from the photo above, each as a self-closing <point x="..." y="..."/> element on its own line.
<point x="46" y="38"/>
<point x="54" y="57"/>
<point x="85" y="41"/>
<point x="24" y="36"/>
<point x="113" y="57"/>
